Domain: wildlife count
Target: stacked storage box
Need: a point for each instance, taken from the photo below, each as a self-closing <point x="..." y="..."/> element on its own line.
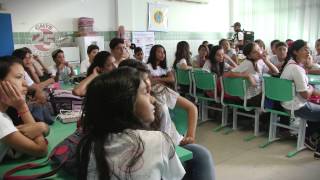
<point x="85" y="26"/>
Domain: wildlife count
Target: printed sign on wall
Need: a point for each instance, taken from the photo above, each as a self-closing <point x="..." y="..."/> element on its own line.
<point x="44" y="38"/>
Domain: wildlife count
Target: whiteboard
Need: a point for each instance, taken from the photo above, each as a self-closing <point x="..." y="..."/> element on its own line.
<point x="145" y="40"/>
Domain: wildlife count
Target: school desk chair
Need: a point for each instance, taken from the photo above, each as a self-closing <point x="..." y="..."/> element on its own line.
<point x="207" y="82"/>
<point x="238" y="87"/>
<point x="280" y="90"/>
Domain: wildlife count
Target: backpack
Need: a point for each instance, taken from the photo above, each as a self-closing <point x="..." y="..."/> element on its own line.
<point x="64" y="100"/>
<point x="63" y="156"/>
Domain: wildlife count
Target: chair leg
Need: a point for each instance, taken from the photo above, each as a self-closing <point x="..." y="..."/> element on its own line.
<point x="256" y="123"/>
<point x="301" y="138"/>
<point x="234" y="119"/>
<point x="256" y="127"/>
<point x="272" y="131"/>
<point x="224" y="116"/>
<point x="224" y="119"/>
<point x="234" y="122"/>
<point x="204" y="112"/>
<point x="273" y="127"/>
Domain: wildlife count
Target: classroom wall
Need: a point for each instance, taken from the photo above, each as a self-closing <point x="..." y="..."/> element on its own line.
<point x="186" y="16"/>
<point x="192" y="22"/>
<point x="62" y="14"/>
<point x="184" y="23"/>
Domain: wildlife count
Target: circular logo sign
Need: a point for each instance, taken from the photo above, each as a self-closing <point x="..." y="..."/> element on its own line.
<point x="158" y="17"/>
<point x="44" y="38"/>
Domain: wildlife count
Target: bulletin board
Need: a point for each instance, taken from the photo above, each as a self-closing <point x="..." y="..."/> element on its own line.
<point x="145" y="40"/>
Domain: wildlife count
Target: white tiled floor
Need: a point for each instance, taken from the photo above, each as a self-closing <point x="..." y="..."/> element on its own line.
<point x="236" y="159"/>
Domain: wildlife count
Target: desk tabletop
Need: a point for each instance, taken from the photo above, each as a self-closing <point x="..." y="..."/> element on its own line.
<point x="314" y="79"/>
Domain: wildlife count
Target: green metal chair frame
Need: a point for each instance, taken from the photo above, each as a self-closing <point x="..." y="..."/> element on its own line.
<point x="183" y="77"/>
<point x="180" y="119"/>
<point x="206" y="81"/>
<point x="281" y="90"/>
<point x="238" y="87"/>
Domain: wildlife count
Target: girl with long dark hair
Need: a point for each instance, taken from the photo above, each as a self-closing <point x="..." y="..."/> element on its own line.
<point x="201" y="165"/>
<point x="252" y="68"/>
<point x="116" y="145"/>
<point x="293" y="70"/>
<point x="26" y="138"/>
<point x="182" y="56"/>
<point x="157" y="64"/>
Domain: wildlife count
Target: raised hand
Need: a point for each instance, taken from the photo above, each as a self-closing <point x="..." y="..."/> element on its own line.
<point x="96" y="71"/>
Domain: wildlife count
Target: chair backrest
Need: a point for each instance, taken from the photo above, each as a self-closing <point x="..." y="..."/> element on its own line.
<point x="235" y="86"/>
<point x="278" y="89"/>
<point x="204" y="80"/>
<point x="180" y="119"/>
<point x="183" y="77"/>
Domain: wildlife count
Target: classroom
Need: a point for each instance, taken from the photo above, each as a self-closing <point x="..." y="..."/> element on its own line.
<point x="160" y="89"/>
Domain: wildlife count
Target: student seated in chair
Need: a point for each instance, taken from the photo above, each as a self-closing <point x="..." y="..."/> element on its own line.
<point x="26" y="138"/>
<point x="201" y="165"/>
<point x="217" y="65"/>
<point x="62" y="70"/>
<point x="252" y="68"/>
<point x="117" y="145"/>
<point x="39" y="75"/>
<point x="199" y="60"/>
<point x="281" y="50"/>
<point x="102" y="62"/>
<point x="182" y="56"/>
<point x="293" y="70"/>
<point x="157" y="64"/>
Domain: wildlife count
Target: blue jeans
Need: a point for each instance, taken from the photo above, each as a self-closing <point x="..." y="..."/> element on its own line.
<point x="309" y="112"/>
<point x="201" y="166"/>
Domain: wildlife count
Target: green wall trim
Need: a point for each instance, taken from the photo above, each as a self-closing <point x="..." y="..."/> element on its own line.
<point x="26" y="37"/>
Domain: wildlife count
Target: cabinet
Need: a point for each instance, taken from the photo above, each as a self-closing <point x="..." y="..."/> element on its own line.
<point x="6" y="37"/>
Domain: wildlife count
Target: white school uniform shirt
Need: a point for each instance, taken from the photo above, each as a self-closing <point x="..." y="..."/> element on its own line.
<point x="247" y="66"/>
<point x="181" y="62"/>
<point x="316" y="59"/>
<point x="6" y="128"/>
<point x="231" y="52"/>
<point x="274" y="60"/>
<point x="207" y="66"/>
<point x="84" y="66"/>
<point x="167" y="98"/>
<point x="38" y="66"/>
<point x="158" y="161"/>
<point x="28" y="79"/>
<point x="64" y="73"/>
<point x="196" y="61"/>
<point x="238" y="36"/>
<point x="292" y="71"/>
<point x="158" y="71"/>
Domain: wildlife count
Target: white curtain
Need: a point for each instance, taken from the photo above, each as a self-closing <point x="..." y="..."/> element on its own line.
<point x="278" y="19"/>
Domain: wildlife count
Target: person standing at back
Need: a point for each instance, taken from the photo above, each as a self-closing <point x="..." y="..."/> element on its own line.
<point x="238" y="36"/>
